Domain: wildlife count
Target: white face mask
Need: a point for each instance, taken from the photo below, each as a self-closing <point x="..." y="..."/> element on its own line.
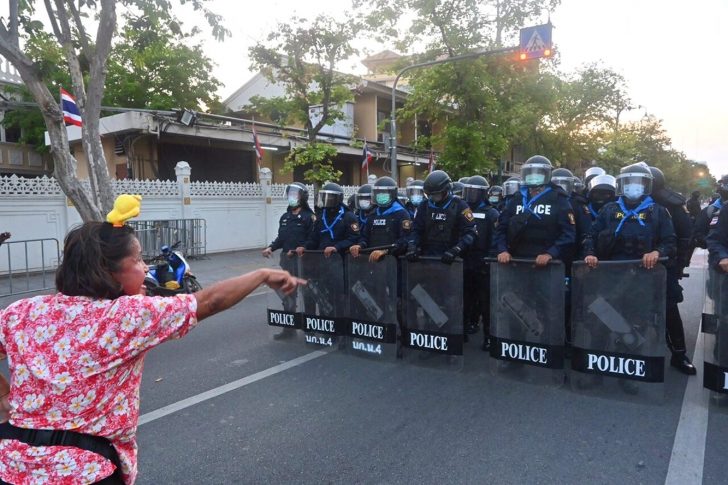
<point x="535" y="179"/>
<point x="416" y="199"/>
<point x="365" y="205"/>
<point x="634" y="191"/>
<point x="293" y="202"/>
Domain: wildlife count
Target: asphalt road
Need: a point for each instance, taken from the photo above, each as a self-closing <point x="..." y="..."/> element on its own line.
<point x="340" y="419"/>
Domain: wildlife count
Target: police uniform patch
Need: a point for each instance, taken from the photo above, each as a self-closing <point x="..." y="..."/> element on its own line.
<point x="406" y="224"/>
<point x="572" y="221"/>
<point x="468" y="215"/>
<point x="355" y="227"/>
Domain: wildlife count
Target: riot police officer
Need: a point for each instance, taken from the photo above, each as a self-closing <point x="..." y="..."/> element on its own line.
<point x="578" y="185"/>
<point x="693" y="205"/>
<point x="415" y="196"/>
<point x="388" y="225"/>
<point x="708" y="217"/>
<point x="457" y="189"/>
<point x="444" y="224"/>
<point x="539" y="221"/>
<point x="476" y="284"/>
<point x="717" y="242"/>
<point x="675" y="205"/>
<point x="590" y="174"/>
<point x="363" y="203"/>
<point x="496" y="197"/>
<point x="635" y="227"/>
<point x="294" y="228"/>
<point x="336" y="228"/>
<point x="564" y="179"/>
<point x="601" y="191"/>
<point x="510" y="188"/>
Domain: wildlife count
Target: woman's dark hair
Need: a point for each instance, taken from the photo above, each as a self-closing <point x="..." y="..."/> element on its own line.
<point x="91" y="253"/>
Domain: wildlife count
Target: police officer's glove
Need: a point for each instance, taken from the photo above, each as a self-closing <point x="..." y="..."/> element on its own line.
<point x="450" y="255"/>
<point x="412" y="254"/>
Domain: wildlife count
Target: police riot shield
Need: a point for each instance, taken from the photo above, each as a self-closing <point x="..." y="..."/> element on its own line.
<point x="432" y="333"/>
<point x="618" y="330"/>
<point x="715" y="362"/>
<point x="324" y="299"/>
<point x="284" y="311"/>
<point x="527" y="322"/>
<point x="372" y="324"/>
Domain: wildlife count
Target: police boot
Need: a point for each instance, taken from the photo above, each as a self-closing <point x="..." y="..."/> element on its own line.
<point x="681" y="362"/>
<point x="471" y="328"/>
<point x="285" y="334"/>
<point x="486" y="344"/>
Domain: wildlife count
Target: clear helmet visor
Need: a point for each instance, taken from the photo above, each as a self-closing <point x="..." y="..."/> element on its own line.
<point x="603" y="180"/>
<point x="634" y="185"/>
<point x="293" y="191"/>
<point x="510" y="187"/>
<point x="535" y="174"/>
<point x="474" y="193"/>
<point x="566" y="183"/>
<point x="328" y="199"/>
<point x="415" y="191"/>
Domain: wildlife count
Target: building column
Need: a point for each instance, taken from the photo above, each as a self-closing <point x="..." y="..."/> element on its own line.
<point x="183" y="172"/>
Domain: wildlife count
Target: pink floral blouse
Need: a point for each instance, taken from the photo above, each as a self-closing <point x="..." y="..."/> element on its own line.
<point x="76" y="363"/>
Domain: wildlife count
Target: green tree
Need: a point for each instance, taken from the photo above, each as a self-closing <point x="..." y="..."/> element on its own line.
<point x="302" y="55"/>
<point x="86" y="53"/>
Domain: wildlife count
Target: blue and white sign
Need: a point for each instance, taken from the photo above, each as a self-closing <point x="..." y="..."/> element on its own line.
<point x="536" y="41"/>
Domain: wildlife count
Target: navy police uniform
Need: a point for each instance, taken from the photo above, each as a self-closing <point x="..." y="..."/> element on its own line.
<point x="438" y="228"/>
<point x="388" y="227"/>
<point x="717" y="240"/>
<point x="334" y="227"/>
<point x="293" y="231"/>
<point x="538" y="224"/>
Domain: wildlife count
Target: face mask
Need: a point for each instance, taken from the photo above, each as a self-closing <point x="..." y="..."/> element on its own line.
<point x="493" y="200"/>
<point x="382" y="199"/>
<point x="535" y="179"/>
<point x="293" y="202"/>
<point x="365" y="205"/>
<point x="437" y="197"/>
<point x="416" y="199"/>
<point x="634" y="191"/>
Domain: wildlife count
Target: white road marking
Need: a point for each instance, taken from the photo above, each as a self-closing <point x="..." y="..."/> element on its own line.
<point x="688" y="449"/>
<point x="212" y="393"/>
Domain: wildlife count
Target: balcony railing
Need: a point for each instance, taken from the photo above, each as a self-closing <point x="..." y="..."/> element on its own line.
<point x="22" y="159"/>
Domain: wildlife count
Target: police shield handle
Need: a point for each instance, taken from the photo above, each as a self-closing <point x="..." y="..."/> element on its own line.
<point x="591" y="261"/>
<point x="723" y="265"/>
<point x="354" y="250"/>
<point x="543" y="259"/>
<point x="377" y="255"/>
<point x="300" y="250"/>
<point x="267" y="252"/>
<point x="328" y="251"/>
<point x="504" y="257"/>
<point x="649" y="260"/>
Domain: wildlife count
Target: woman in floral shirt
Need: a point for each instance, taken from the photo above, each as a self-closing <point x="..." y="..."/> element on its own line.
<point x="76" y="357"/>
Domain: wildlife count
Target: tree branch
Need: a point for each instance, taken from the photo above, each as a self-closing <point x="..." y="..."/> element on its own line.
<point x="83" y="37"/>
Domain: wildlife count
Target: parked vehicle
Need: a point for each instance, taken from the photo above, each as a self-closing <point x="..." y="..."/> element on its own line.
<point x="169" y="274"/>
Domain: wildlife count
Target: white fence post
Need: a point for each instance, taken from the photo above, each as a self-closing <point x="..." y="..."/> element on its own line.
<point x="265" y="177"/>
<point x="183" y="172"/>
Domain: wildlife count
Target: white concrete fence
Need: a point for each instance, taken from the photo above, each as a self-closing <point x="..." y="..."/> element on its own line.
<point x="238" y="215"/>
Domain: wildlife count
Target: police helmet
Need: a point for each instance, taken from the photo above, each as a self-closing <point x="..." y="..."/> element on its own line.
<point x="350" y="202"/>
<point x="416" y="192"/>
<point x="591" y="173"/>
<point x="297" y="191"/>
<point x="563" y="178"/>
<point x="363" y="198"/>
<point x="408" y="181"/>
<point x="437" y="185"/>
<point x="402" y="199"/>
<point x="331" y="195"/>
<point x="602" y="188"/>
<point x="463" y="180"/>
<point x="495" y="194"/>
<point x="536" y="171"/>
<point x="457" y="188"/>
<point x="384" y="191"/>
<point x="475" y="189"/>
<point x="634" y="181"/>
<point x="658" y="179"/>
<point x="511" y="186"/>
<point x="578" y="185"/>
<point x="722" y="186"/>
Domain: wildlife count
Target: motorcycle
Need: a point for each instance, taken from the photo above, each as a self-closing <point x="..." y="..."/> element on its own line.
<point x="169" y="274"/>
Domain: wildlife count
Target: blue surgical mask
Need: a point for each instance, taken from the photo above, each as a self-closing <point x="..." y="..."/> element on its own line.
<point x="365" y="205"/>
<point x="416" y="199"/>
<point x="383" y="199"/>
<point x="493" y="200"/>
<point x="293" y="202"/>
<point x="634" y="191"/>
<point x="535" y="179"/>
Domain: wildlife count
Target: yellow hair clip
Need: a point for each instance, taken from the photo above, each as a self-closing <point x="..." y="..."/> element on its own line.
<point x="126" y="206"/>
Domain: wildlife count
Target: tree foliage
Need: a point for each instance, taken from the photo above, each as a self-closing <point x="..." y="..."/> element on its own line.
<point x="318" y="157"/>
<point x="302" y="56"/>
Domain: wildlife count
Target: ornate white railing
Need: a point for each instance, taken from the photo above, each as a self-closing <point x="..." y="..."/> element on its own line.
<point x="150" y="188"/>
<point x="14" y="185"/>
<point x="225" y="189"/>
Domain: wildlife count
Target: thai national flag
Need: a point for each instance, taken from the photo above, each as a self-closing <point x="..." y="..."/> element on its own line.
<point x="258" y="148"/>
<point x="70" y="110"/>
<point x="367" y="157"/>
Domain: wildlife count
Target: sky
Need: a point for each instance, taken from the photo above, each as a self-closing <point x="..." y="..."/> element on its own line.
<point x="669" y="51"/>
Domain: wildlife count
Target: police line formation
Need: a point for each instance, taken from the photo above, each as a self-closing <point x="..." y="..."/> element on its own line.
<point x="552" y="269"/>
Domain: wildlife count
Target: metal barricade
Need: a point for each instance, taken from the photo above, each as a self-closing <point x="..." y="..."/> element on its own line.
<point x="28" y="266"/>
<point x="152" y="235"/>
